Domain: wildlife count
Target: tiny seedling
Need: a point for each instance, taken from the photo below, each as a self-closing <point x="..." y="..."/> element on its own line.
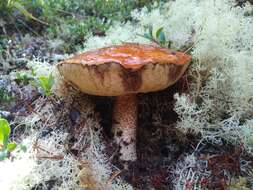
<point x="22" y="78"/>
<point x="44" y="84"/>
<point x="159" y="37"/>
<point x="4" y="96"/>
<point x="5" y="145"/>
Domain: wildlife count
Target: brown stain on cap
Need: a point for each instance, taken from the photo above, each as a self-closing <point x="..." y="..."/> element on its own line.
<point x="131" y="79"/>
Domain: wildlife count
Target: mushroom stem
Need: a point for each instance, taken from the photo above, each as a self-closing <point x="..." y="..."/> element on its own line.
<point x="125" y="123"/>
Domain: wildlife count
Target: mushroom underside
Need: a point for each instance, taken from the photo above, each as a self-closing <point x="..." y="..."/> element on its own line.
<point x="112" y="79"/>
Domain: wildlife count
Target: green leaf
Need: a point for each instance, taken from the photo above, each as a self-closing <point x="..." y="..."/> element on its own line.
<point x="11" y="146"/>
<point x="5" y="131"/>
<point x="4" y="127"/>
<point x="161" y="36"/>
<point x="46" y="84"/>
<point x="3" y="155"/>
<point x="43" y="82"/>
<point x="3" y="141"/>
<point x="158" y="32"/>
<point x="1" y="138"/>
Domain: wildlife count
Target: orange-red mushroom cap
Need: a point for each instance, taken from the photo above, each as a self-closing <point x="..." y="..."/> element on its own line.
<point x="124" y="69"/>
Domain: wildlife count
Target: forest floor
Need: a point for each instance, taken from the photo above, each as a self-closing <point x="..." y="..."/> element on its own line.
<point x="162" y="149"/>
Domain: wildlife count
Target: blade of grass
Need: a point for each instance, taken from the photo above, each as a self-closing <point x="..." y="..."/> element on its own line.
<point x="22" y="9"/>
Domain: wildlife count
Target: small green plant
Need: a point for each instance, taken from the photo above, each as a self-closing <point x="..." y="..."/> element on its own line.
<point x="22" y="78"/>
<point x="44" y="84"/>
<point x="159" y="37"/>
<point x="5" y="97"/>
<point x="5" y="145"/>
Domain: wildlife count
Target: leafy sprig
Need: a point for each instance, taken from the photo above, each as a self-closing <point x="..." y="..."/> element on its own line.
<point x="157" y="36"/>
<point x="44" y="84"/>
<point x="5" y="145"/>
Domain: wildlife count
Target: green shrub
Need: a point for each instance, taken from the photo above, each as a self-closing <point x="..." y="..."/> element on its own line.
<point x="72" y="21"/>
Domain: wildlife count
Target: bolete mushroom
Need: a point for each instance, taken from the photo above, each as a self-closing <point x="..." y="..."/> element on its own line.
<point x="123" y="71"/>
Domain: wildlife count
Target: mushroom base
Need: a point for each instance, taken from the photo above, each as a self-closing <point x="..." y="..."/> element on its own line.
<point x="125" y="123"/>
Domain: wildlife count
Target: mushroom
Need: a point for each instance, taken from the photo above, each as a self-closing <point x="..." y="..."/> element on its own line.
<point x="123" y="71"/>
